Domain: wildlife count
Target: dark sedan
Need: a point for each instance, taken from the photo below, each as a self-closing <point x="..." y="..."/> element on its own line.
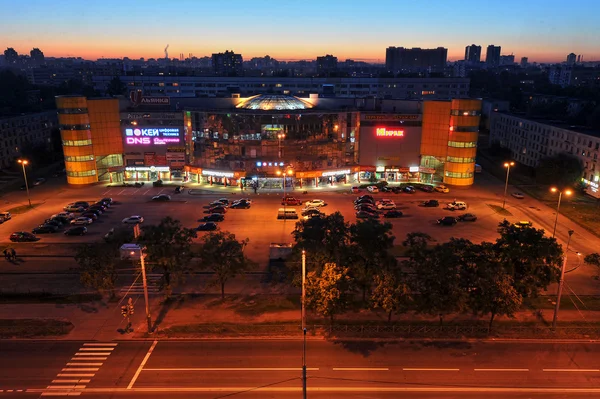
<point x="393" y="214"/>
<point x="23" y="236"/>
<point x="240" y="205"/>
<point x="215" y="217"/>
<point x="44" y="228"/>
<point x="447" y="221"/>
<point x="410" y="190"/>
<point x="366" y="215"/>
<point x="161" y="197"/>
<point x="209" y="226"/>
<point x="76" y="231"/>
<point x="217" y="209"/>
<point x="91" y="215"/>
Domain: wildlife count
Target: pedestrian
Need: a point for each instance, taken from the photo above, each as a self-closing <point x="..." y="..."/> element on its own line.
<point x="7" y="253"/>
<point x="13" y="254"/>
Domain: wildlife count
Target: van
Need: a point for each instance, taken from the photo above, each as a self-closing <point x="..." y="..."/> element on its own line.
<point x="4" y="216"/>
<point x="284" y="213"/>
<point x="130" y="251"/>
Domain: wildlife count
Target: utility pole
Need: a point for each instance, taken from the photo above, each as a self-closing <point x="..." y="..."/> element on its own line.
<point x="136" y="234"/>
<point x="561" y="282"/>
<point x="303" y="324"/>
<point x="507" y="165"/>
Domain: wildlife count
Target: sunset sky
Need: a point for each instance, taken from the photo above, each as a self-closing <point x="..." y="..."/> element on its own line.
<point x="544" y="31"/>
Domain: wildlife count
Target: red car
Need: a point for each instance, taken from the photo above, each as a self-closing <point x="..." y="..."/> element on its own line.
<point x="290" y="201"/>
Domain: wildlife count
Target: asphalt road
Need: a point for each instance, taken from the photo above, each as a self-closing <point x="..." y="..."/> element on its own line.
<point x="272" y="369"/>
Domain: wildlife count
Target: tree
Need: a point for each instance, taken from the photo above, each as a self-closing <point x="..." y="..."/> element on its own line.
<point x="328" y="292"/>
<point x="224" y="255"/>
<point x="529" y="257"/>
<point x="492" y="290"/>
<point x="389" y="293"/>
<point x="562" y="170"/>
<point x="97" y="264"/>
<point x="116" y="87"/>
<point x="371" y="242"/>
<point x="593" y="259"/>
<point x="168" y="247"/>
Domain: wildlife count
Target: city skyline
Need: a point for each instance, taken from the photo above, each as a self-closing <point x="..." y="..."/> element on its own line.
<point x="107" y="30"/>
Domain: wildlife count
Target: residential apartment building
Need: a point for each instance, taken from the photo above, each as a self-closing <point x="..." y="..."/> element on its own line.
<point x="211" y="86"/>
<point x="473" y="54"/>
<point x="492" y="56"/>
<point x="531" y="140"/>
<point x="400" y="59"/>
<point x="25" y="130"/>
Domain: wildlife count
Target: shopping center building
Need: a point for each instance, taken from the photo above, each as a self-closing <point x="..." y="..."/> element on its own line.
<point x="255" y="141"/>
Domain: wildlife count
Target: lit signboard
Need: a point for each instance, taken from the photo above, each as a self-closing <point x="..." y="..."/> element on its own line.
<point x="153" y="136"/>
<point x="383" y="132"/>
<point x="336" y="173"/>
<point x="391" y="117"/>
<point x="217" y="173"/>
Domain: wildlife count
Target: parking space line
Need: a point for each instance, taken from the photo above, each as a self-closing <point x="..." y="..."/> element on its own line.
<point x="120" y="192"/>
<point x="74" y="375"/>
<point x="85" y="358"/>
<point x="96" y="349"/>
<point x="100" y="344"/>
<point x="428" y="369"/>
<point x="500" y="369"/>
<point x="142" y="364"/>
<point x="572" y="370"/>
<point x="361" y="369"/>
<point x="93" y="353"/>
<point x="234" y="369"/>
<point x="81" y="369"/>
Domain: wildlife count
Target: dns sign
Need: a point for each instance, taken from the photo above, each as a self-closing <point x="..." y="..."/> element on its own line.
<point x="383" y="132"/>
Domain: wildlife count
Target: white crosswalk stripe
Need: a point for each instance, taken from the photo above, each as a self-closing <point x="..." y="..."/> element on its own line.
<point x="153" y="280"/>
<point x="69" y="382"/>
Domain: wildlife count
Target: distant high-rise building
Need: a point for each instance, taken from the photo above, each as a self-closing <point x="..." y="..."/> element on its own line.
<point x="37" y="56"/>
<point x="492" y="55"/>
<point x="11" y="57"/>
<point x="473" y="54"/>
<point x="524" y="62"/>
<point x="507" y="59"/>
<point x="227" y="64"/>
<point x="579" y="58"/>
<point x="400" y="59"/>
<point x="571" y="58"/>
<point x="327" y="64"/>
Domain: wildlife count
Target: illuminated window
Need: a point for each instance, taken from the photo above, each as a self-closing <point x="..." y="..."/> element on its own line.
<point x="76" y="143"/>
<point x="462" y="144"/>
<point x="458" y="175"/>
<point x="460" y="159"/>
<point x="83" y="158"/>
<point x="462" y="112"/>
<point x="81" y="174"/>
<point x="427" y="92"/>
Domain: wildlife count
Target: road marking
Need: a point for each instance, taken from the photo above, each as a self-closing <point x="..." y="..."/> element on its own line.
<point x="501" y="369"/>
<point x="61" y="393"/>
<point x="92" y="354"/>
<point x="426" y="369"/>
<point x="235" y="369"/>
<point x="74" y="375"/>
<point x="361" y="369"/>
<point x="147" y="191"/>
<point x="81" y="369"/>
<point x="96" y="349"/>
<point x="66" y="387"/>
<point x="573" y="370"/>
<point x="85" y="358"/>
<point x="120" y="192"/>
<point x="139" y="370"/>
<point x="106" y="344"/>
<point x="70" y="381"/>
<point x="84" y="364"/>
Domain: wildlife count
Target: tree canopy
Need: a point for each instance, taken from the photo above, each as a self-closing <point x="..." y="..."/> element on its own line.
<point x="562" y="170"/>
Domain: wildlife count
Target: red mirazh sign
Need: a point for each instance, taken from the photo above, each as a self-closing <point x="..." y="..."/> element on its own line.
<point x="383" y="132"/>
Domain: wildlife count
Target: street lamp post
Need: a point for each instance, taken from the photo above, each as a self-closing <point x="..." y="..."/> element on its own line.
<point x="145" y="284"/>
<point x="24" y="162"/>
<point x="303" y="324"/>
<point x="507" y="165"/>
<point x="560" y="193"/>
<point x="280" y="136"/>
<point x="283" y="174"/>
<point x="561" y="282"/>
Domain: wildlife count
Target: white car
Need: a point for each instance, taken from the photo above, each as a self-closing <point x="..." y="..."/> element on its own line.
<point x="316" y="203"/>
<point x="133" y="220"/>
<point x="386" y="205"/>
<point x="442" y="189"/>
<point x="373" y="189"/>
<point x="63" y="215"/>
<point x="457" y="206"/>
<point x="81" y="221"/>
<point x="518" y="195"/>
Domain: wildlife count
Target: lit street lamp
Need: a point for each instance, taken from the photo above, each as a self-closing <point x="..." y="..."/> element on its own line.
<point x="561" y="280"/>
<point x="280" y="137"/>
<point x="507" y="165"/>
<point x="145" y="284"/>
<point x="289" y="171"/>
<point x="24" y="162"/>
<point x="560" y="193"/>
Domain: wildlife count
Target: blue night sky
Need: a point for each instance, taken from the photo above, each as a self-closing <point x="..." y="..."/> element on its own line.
<point x="541" y="30"/>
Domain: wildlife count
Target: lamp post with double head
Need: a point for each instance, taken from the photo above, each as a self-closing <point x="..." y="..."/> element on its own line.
<point x="24" y="162"/>
<point x="567" y="192"/>
<point x="280" y="136"/>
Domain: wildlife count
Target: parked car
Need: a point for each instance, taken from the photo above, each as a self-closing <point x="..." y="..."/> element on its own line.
<point x="431" y="203"/>
<point x="369" y="207"/>
<point x="393" y="214"/>
<point x="105" y="204"/>
<point x="133" y="220"/>
<point x="523" y="223"/>
<point x="45" y="228"/>
<point x="442" y="189"/>
<point x="291" y="201"/>
<point x="76" y="231"/>
<point x="518" y="195"/>
<point x="409" y="190"/>
<point x="315" y="202"/>
<point x="224" y="201"/>
<point x="108" y="200"/>
<point x="61" y="219"/>
<point x="457" y="206"/>
<point x="312" y="212"/>
<point x="397" y="190"/>
<point x="427" y="189"/>
<point x="179" y="189"/>
<point x="364" y="201"/>
<point x="81" y="221"/>
<point x="208" y="226"/>
<point x="83" y="204"/>
<point x="95" y="211"/>
<point x="217" y="209"/>
<point x="354" y="189"/>
<point x="215" y="217"/>
<point x="39" y="181"/>
<point x="366" y="215"/>
<point x="73" y="208"/>
<point x="23" y="236"/>
<point x="161" y="197"/>
<point x="54" y="222"/>
<point x="373" y="189"/>
<point x="240" y="205"/>
<point x="447" y="221"/>
<point x="66" y="215"/>
<point x="4" y="216"/>
<point x="467" y="217"/>
<point x="91" y="215"/>
<point x="386" y="206"/>
<point x="96" y="208"/>
<point x="365" y="196"/>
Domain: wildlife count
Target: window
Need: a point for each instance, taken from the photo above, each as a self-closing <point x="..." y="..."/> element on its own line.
<point x="462" y="112"/>
<point x="75" y="127"/>
<point x="82" y="158"/>
<point x="81" y="174"/>
<point x="464" y="175"/>
<point x="460" y="159"/>
<point x="462" y="144"/>
<point x="76" y="143"/>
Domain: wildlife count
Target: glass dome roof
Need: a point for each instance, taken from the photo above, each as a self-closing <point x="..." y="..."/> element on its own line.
<point x="274" y="102"/>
